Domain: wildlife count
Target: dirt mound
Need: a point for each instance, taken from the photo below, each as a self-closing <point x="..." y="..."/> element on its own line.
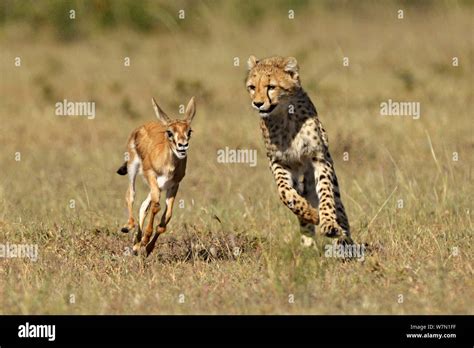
<point x="205" y="246"/>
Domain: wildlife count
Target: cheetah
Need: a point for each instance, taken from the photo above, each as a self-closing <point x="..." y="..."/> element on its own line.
<point x="297" y="148"/>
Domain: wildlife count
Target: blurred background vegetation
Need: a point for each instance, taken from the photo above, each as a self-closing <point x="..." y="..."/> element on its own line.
<point x="160" y="16"/>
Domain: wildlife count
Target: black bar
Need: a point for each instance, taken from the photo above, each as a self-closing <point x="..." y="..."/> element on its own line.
<point x="291" y="331"/>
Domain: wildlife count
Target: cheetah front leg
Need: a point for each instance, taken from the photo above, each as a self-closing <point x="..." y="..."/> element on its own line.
<point x="333" y="218"/>
<point x="290" y="196"/>
<point x="306" y="187"/>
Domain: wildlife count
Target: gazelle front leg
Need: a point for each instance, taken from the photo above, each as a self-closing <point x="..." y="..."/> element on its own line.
<point x="165" y="218"/>
<point x="154" y="209"/>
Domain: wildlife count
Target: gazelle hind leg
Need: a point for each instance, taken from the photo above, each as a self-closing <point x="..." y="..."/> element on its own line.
<point x="144" y="211"/>
<point x="144" y="208"/>
<point x="132" y="169"/>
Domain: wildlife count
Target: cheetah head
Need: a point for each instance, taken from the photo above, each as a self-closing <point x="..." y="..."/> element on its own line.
<point x="270" y="82"/>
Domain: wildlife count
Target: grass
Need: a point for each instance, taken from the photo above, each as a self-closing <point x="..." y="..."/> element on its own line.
<point x="232" y="247"/>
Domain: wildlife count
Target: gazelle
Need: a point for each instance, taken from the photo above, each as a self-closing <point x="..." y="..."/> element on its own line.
<point x="158" y="151"/>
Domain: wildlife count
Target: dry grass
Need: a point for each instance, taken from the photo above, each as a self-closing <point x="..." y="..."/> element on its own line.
<point x="82" y="252"/>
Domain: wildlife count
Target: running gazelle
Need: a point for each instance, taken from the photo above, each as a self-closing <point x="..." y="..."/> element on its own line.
<point x="158" y="151"/>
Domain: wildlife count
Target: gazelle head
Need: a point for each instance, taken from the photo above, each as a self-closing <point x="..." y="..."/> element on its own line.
<point x="178" y="132"/>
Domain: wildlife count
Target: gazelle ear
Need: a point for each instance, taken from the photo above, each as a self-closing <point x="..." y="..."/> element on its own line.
<point x="190" y="110"/>
<point x="160" y="114"/>
<point x="252" y="62"/>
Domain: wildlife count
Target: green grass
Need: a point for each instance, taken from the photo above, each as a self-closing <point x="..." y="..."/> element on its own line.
<point x="422" y="251"/>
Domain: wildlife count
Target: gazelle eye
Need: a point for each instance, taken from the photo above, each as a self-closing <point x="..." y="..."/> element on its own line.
<point x="189" y="132"/>
<point x="271" y="87"/>
<point x="169" y="133"/>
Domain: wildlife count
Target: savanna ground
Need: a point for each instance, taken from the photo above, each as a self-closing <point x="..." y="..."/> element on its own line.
<point x="407" y="184"/>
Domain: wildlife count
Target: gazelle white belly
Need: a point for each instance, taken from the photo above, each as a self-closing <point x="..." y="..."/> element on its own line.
<point x="164" y="182"/>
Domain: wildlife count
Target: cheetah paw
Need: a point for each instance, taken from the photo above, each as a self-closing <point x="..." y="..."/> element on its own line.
<point x="332" y="229"/>
<point x="307" y="242"/>
<point x="345" y="240"/>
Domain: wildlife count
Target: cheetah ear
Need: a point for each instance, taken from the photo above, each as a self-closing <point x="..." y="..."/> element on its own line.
<point x="252" y="62"/>
<point x="291" y="66"/>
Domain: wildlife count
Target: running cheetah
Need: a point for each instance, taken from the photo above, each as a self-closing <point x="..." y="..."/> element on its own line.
<point x="297" y="147"/>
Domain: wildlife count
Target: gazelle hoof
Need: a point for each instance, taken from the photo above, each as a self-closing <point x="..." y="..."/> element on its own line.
<point x="127" y="228"/>
<point x="136" y="248"/>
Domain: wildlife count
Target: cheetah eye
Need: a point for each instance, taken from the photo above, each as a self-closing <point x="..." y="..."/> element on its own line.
<point x="271" y="87"/>
<point x="169" y="133"/>
<point x="251" y="87"/>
